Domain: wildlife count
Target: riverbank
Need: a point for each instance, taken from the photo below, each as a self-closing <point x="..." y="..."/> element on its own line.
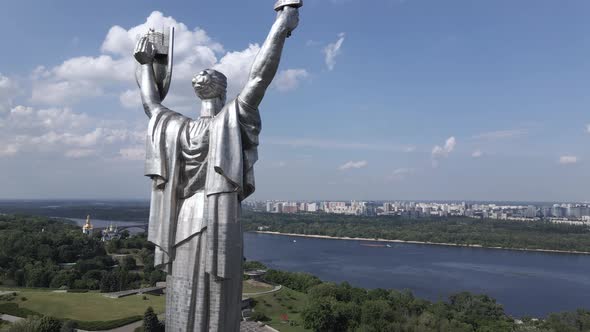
<point x="426" y="243"/>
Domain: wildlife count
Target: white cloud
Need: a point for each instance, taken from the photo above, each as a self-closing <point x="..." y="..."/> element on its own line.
<point x="122" y="42"/>
<point x="399" y="174"/>
<point x="332" y="50"/>
<point x="130" y="99"/>
<point x="100" y="68"/>
<point x="439" y="152"/>
<point x="289" y="79"/>
<point x="353" y="165"/>
<point x="59" y="93"/>
<point x="501" y="134"/>
<point x="8" y="150"/>
<point x="477" y="154"/>
<point x="566" y="160"/>
<point x="445" y="150"/>
<point x="60" y="131"/>
<point x="588" y="128"/>
<point x="236" y="66"/>
<point x="22" y="117"/>
<point x="112" y="71"/>
<point x="8" y="90"/>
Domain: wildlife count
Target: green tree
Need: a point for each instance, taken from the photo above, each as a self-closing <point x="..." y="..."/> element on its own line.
<point x="319" y="315"/>
<point x="49" y="324"/>
<point x="578" y="321"/>
<point x="151" y="323"/>
<point x="129" y="263"/>
<point x="69" y="326"/>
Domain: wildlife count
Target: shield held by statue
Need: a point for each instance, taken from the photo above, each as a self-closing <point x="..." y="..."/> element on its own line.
<point x="161" y="45"/>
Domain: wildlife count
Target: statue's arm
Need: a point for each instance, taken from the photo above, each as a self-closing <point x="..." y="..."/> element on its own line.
<point x="267" y="60"/>
<point x="145" y="77"/>
<point x="150" y="97"/>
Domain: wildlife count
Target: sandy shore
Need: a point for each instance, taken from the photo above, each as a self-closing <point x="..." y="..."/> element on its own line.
<point x="424" y="242"/>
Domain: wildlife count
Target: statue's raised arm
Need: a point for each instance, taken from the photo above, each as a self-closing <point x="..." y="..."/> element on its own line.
<point x="267" y="61"/>
<point x="154" y="54"/>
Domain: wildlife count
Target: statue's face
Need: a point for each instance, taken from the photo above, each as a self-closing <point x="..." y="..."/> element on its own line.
<point x="204" y="86"/>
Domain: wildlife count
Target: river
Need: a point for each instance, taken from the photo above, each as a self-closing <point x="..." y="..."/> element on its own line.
<point x="525" y="283"/>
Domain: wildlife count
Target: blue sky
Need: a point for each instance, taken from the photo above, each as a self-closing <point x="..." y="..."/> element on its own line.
<point x="382" y="99"/>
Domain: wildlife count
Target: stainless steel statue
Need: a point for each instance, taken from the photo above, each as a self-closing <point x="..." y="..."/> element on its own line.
<point x="201" y="169"/>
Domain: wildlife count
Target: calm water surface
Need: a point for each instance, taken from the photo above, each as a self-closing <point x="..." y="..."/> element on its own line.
<point x="526" y="283"/>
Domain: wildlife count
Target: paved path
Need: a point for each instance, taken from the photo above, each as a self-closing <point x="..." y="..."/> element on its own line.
<point x="9" y="318"/>
<point x="7" y="292"/>
<point x="275" y="289"/>
<point x="117" y="295"/>
<point x="255" y="327"/>
<point x="127" y="328"/>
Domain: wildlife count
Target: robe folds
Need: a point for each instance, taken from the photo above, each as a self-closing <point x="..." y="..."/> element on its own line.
<point x="201" y="170"/>
<point x="230" y="140"/>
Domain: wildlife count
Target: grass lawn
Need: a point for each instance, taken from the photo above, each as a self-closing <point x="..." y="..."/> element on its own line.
<point x="90" y="306"/>
<point x="286" y="301"/>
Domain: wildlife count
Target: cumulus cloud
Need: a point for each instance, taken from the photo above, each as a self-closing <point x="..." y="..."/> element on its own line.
<point x="439" y="152"/>
<point x="112" y="71"/>
<point x="332" y="50"/>
<point x="60" y="131"/>
<point x="23" y="117"/>
<point x="49" y="123"/>
<point x="353" y="165"/>
<point x="8" y="89"/>
<point x="236" y="66"/>
<point x="289" y="79"/>
<point x="444" y="151"/>
<point x="60" y="93"/>
<point x="8" y="150"/>
<point x="130" y="99"/>
<point x="566" y="160"/>
<point x="400" y="174"/>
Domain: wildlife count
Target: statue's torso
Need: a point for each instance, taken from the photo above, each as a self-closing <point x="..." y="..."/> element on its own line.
<point x="194" y="150"/>
<point x="194" y="143"/>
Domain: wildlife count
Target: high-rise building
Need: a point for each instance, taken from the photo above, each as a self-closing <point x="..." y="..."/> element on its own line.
<point x="558" y="211"/>
<point x="531" y="211"/>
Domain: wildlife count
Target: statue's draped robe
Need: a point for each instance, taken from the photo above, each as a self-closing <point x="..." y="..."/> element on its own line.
<point x="201" y="170"/>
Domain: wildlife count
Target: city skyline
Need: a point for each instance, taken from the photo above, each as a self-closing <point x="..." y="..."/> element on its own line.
<point x="416" y="99"/>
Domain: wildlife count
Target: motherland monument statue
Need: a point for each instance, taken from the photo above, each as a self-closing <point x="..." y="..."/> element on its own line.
<point x="201" y="169"/>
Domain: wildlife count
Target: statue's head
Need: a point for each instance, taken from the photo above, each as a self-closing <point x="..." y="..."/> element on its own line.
<point x="210" y="84"/>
